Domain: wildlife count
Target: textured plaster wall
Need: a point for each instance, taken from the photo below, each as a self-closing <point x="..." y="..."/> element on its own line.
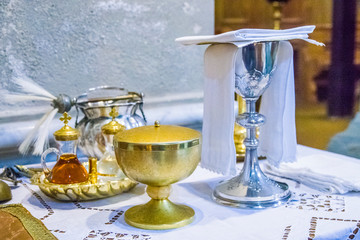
<point x="70" y="46"/>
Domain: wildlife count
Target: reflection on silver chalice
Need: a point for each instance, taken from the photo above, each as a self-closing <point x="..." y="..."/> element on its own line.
<point x="255" y="64"/>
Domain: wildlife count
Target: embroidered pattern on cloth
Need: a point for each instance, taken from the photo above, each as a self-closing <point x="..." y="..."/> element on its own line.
<point x="286" y="232"/>
<point x="317" y="202"/>
<point x="104" y="235"/>
<point x="93" y="234"/>
<point x="112" y="220"/>
<point x="41" y="200"/>
<point x="315" y="220"/>
<point x="324" y="214"/>
<point x="57" y="231"/>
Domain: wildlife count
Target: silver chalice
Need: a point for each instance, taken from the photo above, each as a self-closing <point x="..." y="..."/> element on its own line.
<point x="255" y="65"/>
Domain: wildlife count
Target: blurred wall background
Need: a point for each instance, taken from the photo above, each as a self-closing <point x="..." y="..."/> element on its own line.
<point x="70" y="46"/>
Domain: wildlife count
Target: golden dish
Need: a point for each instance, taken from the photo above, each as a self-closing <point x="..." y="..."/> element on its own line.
<point x="85" y="191"/>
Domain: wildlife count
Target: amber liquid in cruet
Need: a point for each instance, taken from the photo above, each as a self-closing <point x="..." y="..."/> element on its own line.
<point x="67" y="170"/>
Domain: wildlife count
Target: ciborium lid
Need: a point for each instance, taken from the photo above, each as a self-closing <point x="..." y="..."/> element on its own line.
<point x="66" y="133"/>
<point x="158" y="138"/>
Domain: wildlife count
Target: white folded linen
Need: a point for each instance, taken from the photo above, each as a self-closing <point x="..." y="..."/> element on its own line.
<point x="218" y="148"/>
<point x="328" y="174"/>
<point x="248" y="36"/>
<point x="277" y="136"/>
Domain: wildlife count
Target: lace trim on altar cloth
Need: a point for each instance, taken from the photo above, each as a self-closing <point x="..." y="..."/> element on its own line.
<point x="106" y="235"/>
<point x="317" y="202"/>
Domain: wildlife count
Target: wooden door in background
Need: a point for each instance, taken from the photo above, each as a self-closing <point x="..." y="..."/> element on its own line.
<point x="310" y="60"/>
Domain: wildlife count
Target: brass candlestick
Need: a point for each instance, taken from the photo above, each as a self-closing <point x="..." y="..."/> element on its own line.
<point x="239" y="131"/>
<point x="277" y="8"/>
<point x="277" y="12"/>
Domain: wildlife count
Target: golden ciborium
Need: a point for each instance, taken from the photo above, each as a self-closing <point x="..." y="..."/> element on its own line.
<point x="158" y="156"/>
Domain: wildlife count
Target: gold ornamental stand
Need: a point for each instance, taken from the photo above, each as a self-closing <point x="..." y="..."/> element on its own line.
<point x="239" y="131"/>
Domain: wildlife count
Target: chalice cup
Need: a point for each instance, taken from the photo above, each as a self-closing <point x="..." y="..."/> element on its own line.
<point x="158" y="156"/>
<point x="255" y="65"/>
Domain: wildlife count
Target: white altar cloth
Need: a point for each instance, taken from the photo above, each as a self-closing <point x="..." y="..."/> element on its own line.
<point x="309" y="215"/>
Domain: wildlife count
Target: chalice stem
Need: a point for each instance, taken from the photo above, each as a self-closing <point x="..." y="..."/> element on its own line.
<point x="251" y="169"/>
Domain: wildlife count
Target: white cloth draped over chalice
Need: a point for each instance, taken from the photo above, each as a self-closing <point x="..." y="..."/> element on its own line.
<point x="277" y="139"/>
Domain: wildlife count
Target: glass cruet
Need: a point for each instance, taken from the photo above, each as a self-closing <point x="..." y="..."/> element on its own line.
<point x="68" y="169"/>
<point x="108" y="166"/>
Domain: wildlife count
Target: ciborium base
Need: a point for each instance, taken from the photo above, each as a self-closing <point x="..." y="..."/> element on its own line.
<point x="159" y="214"/>
<point x="264" y="193"/>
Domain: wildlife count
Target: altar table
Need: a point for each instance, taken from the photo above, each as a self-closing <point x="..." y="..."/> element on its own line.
<point x="309" y="215"/>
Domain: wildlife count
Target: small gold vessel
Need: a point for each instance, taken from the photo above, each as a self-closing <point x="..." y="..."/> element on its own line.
<point x="68" y="169"/>
<point x="158" y="156"/>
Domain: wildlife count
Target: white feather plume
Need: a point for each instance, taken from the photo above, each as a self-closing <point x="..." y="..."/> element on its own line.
<point x="42" y="140"/>
<point x="23" y="98"/>
<point x="32" y="135"/>
<point x="30" y="91"/>
<point x="28" y="86"/>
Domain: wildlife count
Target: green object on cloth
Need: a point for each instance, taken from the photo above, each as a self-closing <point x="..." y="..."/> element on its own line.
<point x="16" y="222"/>
<point x="5" y="192"/>
<point x="348" y="141"/>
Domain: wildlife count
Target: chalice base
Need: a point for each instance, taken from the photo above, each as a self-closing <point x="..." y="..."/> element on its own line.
<point x="159" y="214"/>
<point x="261" y="193"/>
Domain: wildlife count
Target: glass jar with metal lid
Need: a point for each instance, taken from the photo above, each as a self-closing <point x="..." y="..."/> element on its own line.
<point x="96" y="105"/>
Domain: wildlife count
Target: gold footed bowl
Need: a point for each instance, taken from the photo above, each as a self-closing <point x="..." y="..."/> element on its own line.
<point x="158" y="156"/>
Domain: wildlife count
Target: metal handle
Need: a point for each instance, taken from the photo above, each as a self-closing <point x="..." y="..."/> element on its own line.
<point x="44" y="155"/>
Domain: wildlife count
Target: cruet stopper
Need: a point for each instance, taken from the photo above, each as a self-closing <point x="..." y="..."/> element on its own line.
<point x="113" y="126"/>
<point x="66" y="133"/>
